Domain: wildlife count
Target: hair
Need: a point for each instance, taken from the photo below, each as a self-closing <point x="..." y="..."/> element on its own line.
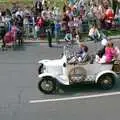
<point x="111" y="44"/>
<point x="85" y="48"/>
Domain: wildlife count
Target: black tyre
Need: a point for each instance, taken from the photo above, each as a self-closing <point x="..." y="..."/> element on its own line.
<point x="47" y="85"/>
<point x="40" y="69"/>
<point x="106" y="81"/>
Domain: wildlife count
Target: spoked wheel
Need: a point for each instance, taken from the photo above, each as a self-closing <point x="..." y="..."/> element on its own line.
<point x="47" y="85"/>
<point x="106" y="81"/>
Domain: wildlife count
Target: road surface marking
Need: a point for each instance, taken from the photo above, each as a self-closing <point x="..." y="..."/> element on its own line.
<point x="75" y="98"/>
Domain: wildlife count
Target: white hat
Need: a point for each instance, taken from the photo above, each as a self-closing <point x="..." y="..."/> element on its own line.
<point x="104" y="42"/>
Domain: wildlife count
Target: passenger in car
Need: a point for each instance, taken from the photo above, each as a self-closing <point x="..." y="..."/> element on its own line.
<point x="110" y="52"/>
<point x="82" y="54"/>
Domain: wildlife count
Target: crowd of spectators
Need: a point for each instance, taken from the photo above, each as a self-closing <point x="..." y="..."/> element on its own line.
<point x="76" y="17"/>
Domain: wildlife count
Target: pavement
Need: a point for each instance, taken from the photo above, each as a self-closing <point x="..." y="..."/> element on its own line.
<point x="18" y="86"/>
<point x="61" y="40"/>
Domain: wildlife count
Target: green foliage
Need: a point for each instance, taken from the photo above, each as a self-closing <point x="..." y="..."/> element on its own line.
<point x="112" y="32"/>
<point x="57" y="3"/>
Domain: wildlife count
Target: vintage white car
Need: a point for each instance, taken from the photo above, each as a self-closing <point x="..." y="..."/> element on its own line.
<point x="59" y="71"/>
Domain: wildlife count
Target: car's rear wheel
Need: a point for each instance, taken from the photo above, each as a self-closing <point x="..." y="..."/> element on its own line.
<point x="47" y="85"/>
<point x="106" y="81"/>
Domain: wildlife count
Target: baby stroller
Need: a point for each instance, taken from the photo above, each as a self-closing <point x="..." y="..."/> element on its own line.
<point x="9" y="40"/>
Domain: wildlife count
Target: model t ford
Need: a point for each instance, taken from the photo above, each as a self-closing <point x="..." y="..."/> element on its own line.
<point x="62" y="71"/>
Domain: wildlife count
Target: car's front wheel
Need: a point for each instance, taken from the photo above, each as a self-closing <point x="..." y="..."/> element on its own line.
<point x="106" y="81"/>
<point x="47" y="85"/>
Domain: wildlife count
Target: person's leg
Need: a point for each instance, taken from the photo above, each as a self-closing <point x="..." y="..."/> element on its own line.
<point x="49" y="39"/>
<point x="3" y="43"/>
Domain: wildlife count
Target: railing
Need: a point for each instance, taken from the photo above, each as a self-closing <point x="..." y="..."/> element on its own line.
<point x="30" y="31"/>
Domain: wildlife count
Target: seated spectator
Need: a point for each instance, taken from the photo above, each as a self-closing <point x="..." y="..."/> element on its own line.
<point x="94" y="33"/>
<point x="117" y="17"/>
<point x="68" y="36"/>
<point x="107" y="14"/>
<point x="109" y="17"/>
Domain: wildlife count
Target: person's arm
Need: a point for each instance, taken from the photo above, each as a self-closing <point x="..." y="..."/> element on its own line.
<point x="98" y="33"/>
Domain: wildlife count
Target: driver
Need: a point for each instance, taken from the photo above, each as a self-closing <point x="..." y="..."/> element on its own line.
<point x="82" y="53"/>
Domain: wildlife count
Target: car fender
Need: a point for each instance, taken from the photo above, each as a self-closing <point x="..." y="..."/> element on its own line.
<point x="59" y="79"/>
<point x="105" y="72"/>
<point x="43" y="61"/>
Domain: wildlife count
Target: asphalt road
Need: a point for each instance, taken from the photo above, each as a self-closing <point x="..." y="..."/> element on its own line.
<point x="18" y="86"/>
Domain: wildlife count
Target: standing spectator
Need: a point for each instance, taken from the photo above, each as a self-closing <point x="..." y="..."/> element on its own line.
<point x="57" y="30"/>
<point x="75" y="11"/>
<point x="27" y="11"/>
<point x="26" y="25"/>
<point x="45" y="4"/>
<point x="114" y="6"/>
<point x="71" y="24"/>
<point x="14" y="8"/>
<point x="8" y="12"/>
<point x="69" y="12"/>
<point x="65" y="21"/>
<point x="19" y="21"/>
<point x="2" y="29"/>
<point x="38" y="7"/>
<point x="19" y="12"/>
<point x="49" y="36"/>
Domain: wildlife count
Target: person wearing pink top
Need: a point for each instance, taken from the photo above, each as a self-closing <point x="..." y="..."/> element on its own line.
<point x="110" y="52"/>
